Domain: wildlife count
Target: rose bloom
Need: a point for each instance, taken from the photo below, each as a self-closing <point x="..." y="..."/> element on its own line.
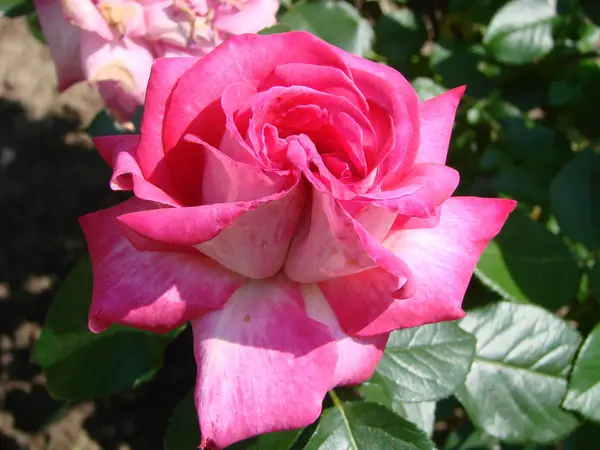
<point x="112" y="43"/>
<point x="292" y="201"/>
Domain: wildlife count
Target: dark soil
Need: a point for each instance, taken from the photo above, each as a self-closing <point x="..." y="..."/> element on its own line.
<point x="49" y="176"/>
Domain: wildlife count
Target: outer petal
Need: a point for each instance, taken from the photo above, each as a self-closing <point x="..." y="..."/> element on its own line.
<point x="251" y="18"/>
<point x="357" y="357"/>
<point x="126" y="63"/>
<point x="164" y="75"/>
<point x="247" y="59"/>
<point x="85" y="14"/>
<point x="255" y="355"/>
<point x="148" y="290"/>
<point x="120" y="152"/>
<point x="256" y="244"/>
<point x="437" y="119"/>
<point x="442" y="260"/>
<point x="63" y="40"/>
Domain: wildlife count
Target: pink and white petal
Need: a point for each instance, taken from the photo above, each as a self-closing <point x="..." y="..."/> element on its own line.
<point x="247" y="59"/>
<point x="253" y="356"/>
<point x="253" y="16"/>
<point x="148" y="290"/>
<point x="120" y="152"/>
<point x="437" y="118"/>
<point x="85" y="14"/>
<point x="419" y="192"/>
<point x="256" y="245"/>
<point x="63" y="40"/>
<point x="127" y="61"/>
<point x="330" y="243"/>
<point x="442" y="260"/>
<point x="357" y="357"/>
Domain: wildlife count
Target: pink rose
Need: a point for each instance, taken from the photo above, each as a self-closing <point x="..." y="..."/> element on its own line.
<point x="290" y="200"/>
<point x="112" y="43"/>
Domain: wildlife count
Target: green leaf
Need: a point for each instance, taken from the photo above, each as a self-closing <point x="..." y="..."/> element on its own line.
<point x="378" y="390"/>
<point x="14" y="8"/>
<point x="366" y="426"/>
<point x="426" y="363"/>
<point x="427" y="88"/>
<point x="183" y="432"/>
<point x="521" y="31"/>
<point x="399" y="35"/>
<point x="518" y="379"/>
<point x="79" y="364"/>
<point x="336" y="22"/>
<point x="528" y="264"/>
<point x="459" y="64"/>
<point x="575" y="199"/>
<point x="594" y="281"/>
<point x="583" y="395"/>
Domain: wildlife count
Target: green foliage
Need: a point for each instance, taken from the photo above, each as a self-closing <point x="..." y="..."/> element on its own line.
<point x="519" y="377"/>
<point x="79" y="364"/>
<point x="14" y="8"/>
<point x="363" y="425"/>
<point x="335" y="21"/>
<point x="529" y="264"/>
<point x="415" y="358"/>
<point x="583" y="395"/>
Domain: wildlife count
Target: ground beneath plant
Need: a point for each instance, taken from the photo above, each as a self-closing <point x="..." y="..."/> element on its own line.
<point x="49" y="176"/>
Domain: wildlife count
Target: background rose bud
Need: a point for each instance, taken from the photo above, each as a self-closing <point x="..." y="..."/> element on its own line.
<point x="112" y="43"/>
<point x="293" y="202"/>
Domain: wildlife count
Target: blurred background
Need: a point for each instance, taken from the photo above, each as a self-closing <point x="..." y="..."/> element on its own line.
<point x="527" y="128"/>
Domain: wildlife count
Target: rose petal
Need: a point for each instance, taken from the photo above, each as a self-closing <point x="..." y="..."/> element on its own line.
<point x="393" y="93"/>
<point x="148" y="290"/>
<point x="419" y="192"/>
<point x="329" y="243"/>
<point x="63" y="40"/>
<point x="255" y="355"/>
<point x="120" y="152"/>
<point x="328" y="80"/>
<point x="126" y="62"/>
<point x="442" y="260"/>
<point x="357" y="357"/>
<point x="248" y="237"/>
<point x="164" y="75"/>
<point x="232" y="62"/>
<point x="437" y="119"/>
<point x="253" y="16"/>
<point x="85" y="14"/>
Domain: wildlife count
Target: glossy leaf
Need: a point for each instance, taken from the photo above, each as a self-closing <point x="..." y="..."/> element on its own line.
<point x="378" y="390"/>
<point x="575" y="199"/>
<point x="336" y="22"/>
<point x="519" y="376"/>
<point x="521" y="31"/>
<point x="399" y="26"/>
<point x="79" y="364"/>
<point x="528" y="264"/>
<point x="583" y="395"/>
<point x="427" y="88"/>
<point x="426" y="363"/>
<point x="364" y="425"/>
